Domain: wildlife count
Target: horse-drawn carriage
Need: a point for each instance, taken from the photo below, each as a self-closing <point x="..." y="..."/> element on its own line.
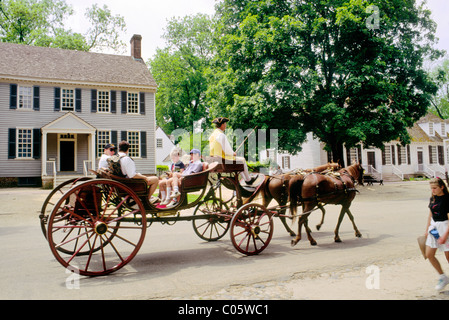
<point x="95" y="226"/>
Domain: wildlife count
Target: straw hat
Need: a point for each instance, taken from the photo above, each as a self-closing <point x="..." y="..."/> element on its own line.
<point x="422" y="245"/>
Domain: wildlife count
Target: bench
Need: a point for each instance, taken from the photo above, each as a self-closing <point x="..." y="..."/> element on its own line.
<point x="225" y="166"/>
<point x="369" y="180"/>
<point x="190" y="183"/>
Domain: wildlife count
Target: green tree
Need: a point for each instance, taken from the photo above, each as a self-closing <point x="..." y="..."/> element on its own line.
<point x="440" y="102"/>
<point x="349" y="71"/>
<point x="41" y="23"/>
<point x="180" y="71"/>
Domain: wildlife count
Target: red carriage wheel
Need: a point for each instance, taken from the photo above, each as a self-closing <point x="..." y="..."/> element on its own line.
<point x="54" y="197"/>
<point x="216" y="225"/>
<point x="251" y="229"/>
<point x="97" y="225"/>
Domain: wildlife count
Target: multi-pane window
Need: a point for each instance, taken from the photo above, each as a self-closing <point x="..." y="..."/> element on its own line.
<point x="133" y="102"/>
<point x="134" y="144"/>
<point x="159" y="143"/>
<point x="431" y="130"/>
<point x="433" y="155"/>
<point x="24" y="143"/>
<point x="67" y="99"/>
<point x="286" y="162"/>
<point x="103" y="138"/>
<point x="104" y="101"/>
<point x="25" y="98"/>
<point x="386" y="156"/>
<point x="402" y="155"/>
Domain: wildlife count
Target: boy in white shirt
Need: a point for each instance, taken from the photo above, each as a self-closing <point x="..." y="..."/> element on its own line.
<point x="109" y="150"/>
<point x="128" y="167"/>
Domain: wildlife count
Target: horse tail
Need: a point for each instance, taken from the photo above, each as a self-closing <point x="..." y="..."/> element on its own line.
<point x="295" y="190"/>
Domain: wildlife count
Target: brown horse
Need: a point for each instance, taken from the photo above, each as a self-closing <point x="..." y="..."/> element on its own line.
<point x="317" y="188"/>
<point x="277" y="188"/>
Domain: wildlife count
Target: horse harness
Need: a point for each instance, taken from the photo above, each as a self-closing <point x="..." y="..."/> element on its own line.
<point x="333" y="175"/>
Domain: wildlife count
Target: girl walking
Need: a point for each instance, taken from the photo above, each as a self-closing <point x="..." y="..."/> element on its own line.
<point x="437" y="230"/>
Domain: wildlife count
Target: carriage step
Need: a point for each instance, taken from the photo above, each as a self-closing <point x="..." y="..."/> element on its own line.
<point x="166" y="214"/>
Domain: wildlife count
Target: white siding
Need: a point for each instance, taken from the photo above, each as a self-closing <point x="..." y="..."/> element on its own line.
<point x="38" y="119"/>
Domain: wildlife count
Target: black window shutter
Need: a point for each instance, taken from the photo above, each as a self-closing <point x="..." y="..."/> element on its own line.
<point x="78" y="100"/>
<point x="93" y="107"/>
<point x="57" y="99"/>
<point x="114" y="138"/>
<point x="408" y="154"/>
<point x="142" y="103"/>
<point x="96" y="145"/>
<point x="12" y="143"/>
<point x="36" y="98"/>
<point x="37" y="137"/>
<point x="124" y="102"/>
<point x="393" y="155"/>
<point x="430" y="155"/>
<point x="13" y="96"/>
<point x="124" y="135"/>
<point x="143" y="144"/>
<point x="441" y="155"/>
<point x="113" y="101"/>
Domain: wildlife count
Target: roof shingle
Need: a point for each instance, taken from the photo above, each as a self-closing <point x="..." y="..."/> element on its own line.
<point x="74" y="66"/>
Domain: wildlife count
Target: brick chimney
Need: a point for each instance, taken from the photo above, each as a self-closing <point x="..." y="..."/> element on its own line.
<point x="136" y="47"/>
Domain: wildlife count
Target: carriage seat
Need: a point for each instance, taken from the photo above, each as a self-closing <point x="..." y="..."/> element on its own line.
<point x="225" y="166"/>
<point x="139" y="186"/>
<point x="197" y="181"/>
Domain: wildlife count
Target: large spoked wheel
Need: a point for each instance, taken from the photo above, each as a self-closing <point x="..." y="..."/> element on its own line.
<point x="54" y="197"/>
<point x="96" y="224"/>
<point x="251" y="229"/>
<point x="216" y="221"/>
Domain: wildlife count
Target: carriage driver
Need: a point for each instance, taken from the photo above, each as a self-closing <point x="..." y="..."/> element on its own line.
<point x="220" y="147"/>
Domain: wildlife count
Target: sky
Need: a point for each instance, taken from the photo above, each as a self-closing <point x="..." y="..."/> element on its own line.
<point x="145" y="17"/>
<point x="149" y="18"/>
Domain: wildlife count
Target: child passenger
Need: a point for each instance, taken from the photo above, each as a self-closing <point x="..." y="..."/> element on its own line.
<point x="177" y="166"/>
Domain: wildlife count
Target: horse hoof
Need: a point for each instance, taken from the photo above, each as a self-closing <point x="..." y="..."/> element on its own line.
<point x="338" y="240"/>
<point x="318" y="227"/>
<point x="294" y="243"/>
<point x="313" y="243"/>
<point x="358" y="234"/>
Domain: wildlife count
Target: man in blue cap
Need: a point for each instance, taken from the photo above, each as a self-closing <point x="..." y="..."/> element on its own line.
<point x="195" y="166"/>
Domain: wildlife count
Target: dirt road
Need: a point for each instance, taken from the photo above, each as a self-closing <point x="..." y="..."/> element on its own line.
<point x="175" y="264"/>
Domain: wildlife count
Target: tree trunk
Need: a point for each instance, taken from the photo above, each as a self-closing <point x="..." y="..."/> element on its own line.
<point x="338" y="154"/>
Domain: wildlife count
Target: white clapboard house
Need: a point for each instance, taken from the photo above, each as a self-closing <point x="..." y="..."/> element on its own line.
<point x="426" y="156"/>
<point x="58" y="108"/>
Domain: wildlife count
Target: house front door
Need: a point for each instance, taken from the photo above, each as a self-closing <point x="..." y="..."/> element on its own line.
<point x="420" y="161"/>
<point x="371" y="159"/>
<point x="67" y="155"/>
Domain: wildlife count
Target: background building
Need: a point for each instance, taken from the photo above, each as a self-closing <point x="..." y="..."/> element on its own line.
<point x="58" y="108"/>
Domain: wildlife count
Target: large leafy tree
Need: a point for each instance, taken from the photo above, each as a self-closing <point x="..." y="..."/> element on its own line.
<point x="41" y="23"/>
<point x="349" y="71"/>
<point x="440" y="102"/>
<point x="180" y="71"/>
